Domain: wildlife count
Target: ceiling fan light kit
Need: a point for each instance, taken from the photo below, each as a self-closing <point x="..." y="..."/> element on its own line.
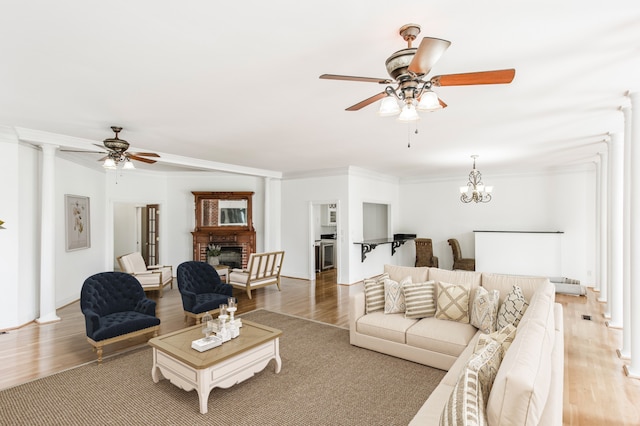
<point x="408" y="67"/>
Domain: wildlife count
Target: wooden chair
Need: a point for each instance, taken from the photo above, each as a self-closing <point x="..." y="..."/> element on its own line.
<point x="459" y="262"/>
<point x="424" y="253"/>
<point x="115" y="308"/>
<point x="152" y="277"/>
<point x="263" y="269"/>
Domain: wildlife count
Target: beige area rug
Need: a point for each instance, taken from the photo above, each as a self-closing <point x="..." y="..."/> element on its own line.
<point x="324" y="381"/>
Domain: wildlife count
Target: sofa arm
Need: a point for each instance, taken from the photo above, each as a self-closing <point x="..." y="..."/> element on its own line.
<point x="146" y="306"/>
<point x="356" y="309"/>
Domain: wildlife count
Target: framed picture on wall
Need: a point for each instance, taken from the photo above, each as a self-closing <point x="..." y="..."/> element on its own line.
<point x="77" y="229"/>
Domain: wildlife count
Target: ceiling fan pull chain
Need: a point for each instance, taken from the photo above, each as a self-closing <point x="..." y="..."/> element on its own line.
<point x="408" y="135"/>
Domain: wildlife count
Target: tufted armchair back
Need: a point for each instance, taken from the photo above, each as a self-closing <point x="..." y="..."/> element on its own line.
<point x="198" y="278"/>
<point x="109" y="292"/>
<point x="200" y="287"/>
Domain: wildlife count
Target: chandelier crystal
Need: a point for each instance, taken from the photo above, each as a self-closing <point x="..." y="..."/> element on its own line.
<point x="475" y="190"/>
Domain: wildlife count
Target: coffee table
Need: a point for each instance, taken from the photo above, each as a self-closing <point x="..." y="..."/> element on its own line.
<point x="223" y="366"/>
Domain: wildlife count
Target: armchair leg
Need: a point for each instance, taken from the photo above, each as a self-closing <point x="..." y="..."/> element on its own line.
<point x="249" y="292"/>
<point x="99" y="351"/>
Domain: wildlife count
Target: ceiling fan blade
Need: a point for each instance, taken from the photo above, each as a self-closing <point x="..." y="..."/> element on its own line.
<point x="428" y="53"/>
<point x="471" y="78"/>
<point x="367" y="101"/>
<point x="103" y="158"/>
<point x="99" y="146"/>
<point x="442" y="104"/>
<point x="145" y="154"/>
<point x="144" y="160"/>
<point x="351" y="78"/>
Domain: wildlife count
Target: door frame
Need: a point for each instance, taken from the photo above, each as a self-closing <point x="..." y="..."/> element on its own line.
<point x="311" y="237"/>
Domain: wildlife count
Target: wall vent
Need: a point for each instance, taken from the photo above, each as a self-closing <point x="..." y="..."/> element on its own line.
<point x="586" y="317"/>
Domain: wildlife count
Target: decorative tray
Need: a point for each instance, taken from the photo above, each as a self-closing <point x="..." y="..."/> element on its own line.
<point x="205" y="344"/>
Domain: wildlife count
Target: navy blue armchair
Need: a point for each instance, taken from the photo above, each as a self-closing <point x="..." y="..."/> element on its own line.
<point x="201" y="289"/>
<point x="115" y="308"/>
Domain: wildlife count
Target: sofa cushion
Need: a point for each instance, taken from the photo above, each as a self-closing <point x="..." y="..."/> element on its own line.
<point x="393" y="295"/>
<point x="467" y="402"/>
<point x="417" y="274"/>
<point x="392" y="327"/>
<point x="513" y="308"/>
<point x="446" y="337"/>
<point x="521" y="388"/>
<point x="484" y="310"/>
<point x="419" y="299"/>
<point x="452" y="302"/>
<point x="374" y="293"/>
<point x="504" y="283"/>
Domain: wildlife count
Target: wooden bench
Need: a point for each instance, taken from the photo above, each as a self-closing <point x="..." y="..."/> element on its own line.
<point x="263" y="269"/>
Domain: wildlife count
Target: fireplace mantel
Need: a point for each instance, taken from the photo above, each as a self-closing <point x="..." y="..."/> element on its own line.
<point x="210" y="226"/>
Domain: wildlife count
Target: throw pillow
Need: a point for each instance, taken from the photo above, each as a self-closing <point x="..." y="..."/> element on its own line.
<point x="484" y="310"/>
<point x="452" y="302"/>
<point x="374" y="293"/>
<point x="504" y="336"/>
<point x="393" y="296"/>
<point x="419" y="300"/>
<point x="467" y="403"/>
<point x="513" y="308"/>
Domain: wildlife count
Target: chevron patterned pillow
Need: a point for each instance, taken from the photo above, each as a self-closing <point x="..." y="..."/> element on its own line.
<point x="484" y="310"/>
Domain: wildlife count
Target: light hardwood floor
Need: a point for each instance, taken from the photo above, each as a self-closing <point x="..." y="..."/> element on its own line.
<point x="596" y="391"/>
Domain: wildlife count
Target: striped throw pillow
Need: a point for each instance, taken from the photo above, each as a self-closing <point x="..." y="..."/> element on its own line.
<point x="374" y="293"/>
<point x="419" y="299"/>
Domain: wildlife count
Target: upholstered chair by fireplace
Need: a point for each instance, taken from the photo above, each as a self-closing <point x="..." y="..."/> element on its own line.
<point x="201" y="289"/>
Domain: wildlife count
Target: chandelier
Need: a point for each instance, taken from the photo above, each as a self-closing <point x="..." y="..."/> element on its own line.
<point x="475" y="190"/>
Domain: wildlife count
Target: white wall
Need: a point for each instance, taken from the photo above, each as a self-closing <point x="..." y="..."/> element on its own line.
<point x="369" y="187"/>
<point x="73" y="267"/>
<point x="297" y="194"/>
<point x="543" y="202"/>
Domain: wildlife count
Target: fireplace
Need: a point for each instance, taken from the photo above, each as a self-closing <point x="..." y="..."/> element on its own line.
<point x="231" y="256"/>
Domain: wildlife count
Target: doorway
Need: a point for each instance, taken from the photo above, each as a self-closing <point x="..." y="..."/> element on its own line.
<point x="136" y="228"/>
<point x="324" y="238"/>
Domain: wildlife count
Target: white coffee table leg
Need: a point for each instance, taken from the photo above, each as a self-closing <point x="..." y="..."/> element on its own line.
<point x="203" y="389"/>
<point x="278" y="359"/>
<point x="154" y="368"/>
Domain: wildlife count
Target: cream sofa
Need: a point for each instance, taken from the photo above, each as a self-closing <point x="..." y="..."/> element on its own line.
<point x="527" y="389"/>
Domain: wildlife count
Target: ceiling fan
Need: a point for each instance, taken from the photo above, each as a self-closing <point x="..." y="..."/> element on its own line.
<point x="408" y="69"/>
<point x="116" y="152"/>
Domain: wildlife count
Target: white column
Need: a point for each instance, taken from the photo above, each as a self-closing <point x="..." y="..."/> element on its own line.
<point x="267" y="214"/>
<point x="47" y="238"/>
<point x="633" y="369"/>
<point x="603" y="228"/>
<point x="625" y="351"/>
<point x="598" y="268"/>
<point x="616" y="172"/>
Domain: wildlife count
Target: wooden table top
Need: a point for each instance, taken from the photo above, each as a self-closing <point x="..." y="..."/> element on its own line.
<point x="178" y="344"/>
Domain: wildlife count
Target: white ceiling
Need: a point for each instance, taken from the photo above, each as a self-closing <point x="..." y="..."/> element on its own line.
<point x="237" y="82"/>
